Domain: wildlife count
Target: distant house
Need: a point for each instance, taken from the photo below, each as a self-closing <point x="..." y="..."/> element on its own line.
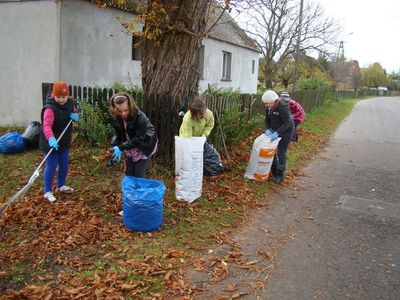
<point x="347" y="74"/>
<point x="82" y="44"/>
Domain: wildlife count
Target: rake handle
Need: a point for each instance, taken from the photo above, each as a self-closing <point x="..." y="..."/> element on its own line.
<point x="48" y="153"/>
<point x="223" y="139"/>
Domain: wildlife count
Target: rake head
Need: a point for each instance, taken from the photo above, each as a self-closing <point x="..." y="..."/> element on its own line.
<point x="20" y="194"/>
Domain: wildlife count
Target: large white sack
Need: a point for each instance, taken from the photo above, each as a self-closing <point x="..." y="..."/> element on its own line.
<point x="261" y="158"/>
<point x="188" y="167"/>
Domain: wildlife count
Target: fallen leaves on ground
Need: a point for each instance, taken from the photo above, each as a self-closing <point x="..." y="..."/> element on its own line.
<point x="78" y="247"/>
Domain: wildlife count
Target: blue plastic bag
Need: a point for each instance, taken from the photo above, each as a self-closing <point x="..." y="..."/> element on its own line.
<point x="12" y="142"/>
<point x="142" y="203"/>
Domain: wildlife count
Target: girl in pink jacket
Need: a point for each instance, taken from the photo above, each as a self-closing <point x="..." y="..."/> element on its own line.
<point x="297" y="112"/>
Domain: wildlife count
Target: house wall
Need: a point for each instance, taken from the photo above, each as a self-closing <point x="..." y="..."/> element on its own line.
<point x="29" y="56"/>
<point x="242" y="77"/>
<point x="95" y="51"/>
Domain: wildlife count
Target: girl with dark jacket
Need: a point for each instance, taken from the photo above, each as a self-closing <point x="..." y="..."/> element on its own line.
<point x="133" y="134"/>
<point x="278" y="123"/>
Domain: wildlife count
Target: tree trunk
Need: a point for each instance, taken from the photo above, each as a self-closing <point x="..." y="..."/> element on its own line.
<point x="170" y="63"/>
<point x="268" y="77"/>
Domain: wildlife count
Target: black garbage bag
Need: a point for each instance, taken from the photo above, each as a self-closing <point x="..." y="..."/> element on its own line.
<point x="12" y="142"/>
<point x="211" y="161"/>
<point x="32" y="134"/>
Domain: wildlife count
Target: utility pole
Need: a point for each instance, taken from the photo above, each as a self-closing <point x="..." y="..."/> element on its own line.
<point x="341" y="52"/>
<point x="340" y="66"/>
<point x="297" y="57"/>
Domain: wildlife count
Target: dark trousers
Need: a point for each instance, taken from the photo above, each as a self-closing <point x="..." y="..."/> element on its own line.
<point x="279" y="162"/>
<point x="295" y="136"/>
<point x="137" y="168"/>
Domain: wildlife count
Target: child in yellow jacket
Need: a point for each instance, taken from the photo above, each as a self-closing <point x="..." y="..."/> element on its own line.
<point x="198" y="121"/>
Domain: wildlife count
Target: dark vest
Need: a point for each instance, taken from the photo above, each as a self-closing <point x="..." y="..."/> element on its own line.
<point x="61" y="120"/>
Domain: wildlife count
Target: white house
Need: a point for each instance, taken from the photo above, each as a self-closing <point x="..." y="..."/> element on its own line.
<point x="82" y="44"/>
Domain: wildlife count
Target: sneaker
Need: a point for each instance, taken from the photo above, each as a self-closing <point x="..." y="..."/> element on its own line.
<point x="64" y="189"/>
<point x="50" y="197"/>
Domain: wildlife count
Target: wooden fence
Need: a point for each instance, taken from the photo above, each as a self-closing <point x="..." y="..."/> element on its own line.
<point x="163" y="110"/>
<point x="362" y="92"/>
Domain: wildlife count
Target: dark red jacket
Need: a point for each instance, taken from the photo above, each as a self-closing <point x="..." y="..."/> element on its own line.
<point x="297" y="110"/>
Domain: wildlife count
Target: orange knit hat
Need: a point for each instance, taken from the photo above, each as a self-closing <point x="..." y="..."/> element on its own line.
<point x="60" y="88"/>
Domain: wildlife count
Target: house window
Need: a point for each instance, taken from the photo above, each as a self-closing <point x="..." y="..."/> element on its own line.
<point x="136" y="53"/>
<point x="226" y="65"/>
<point x="253" y="66"/>
<point x="201" y="62"/>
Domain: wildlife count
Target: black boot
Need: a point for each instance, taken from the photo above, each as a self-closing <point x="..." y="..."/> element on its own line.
<point x="273" y="170"/>
<point x="278" y="178"/>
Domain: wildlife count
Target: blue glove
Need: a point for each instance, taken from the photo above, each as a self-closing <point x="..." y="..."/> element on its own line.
<point x="117" y="154"/>
<point x="53" y="143"/>
<point x="274" y="136"/>
<point x="268" y="132"/>
<point x="74" y="117"/>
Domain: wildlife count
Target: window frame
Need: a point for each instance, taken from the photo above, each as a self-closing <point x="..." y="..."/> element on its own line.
<point x="201" y="62"/>
<point x="226" y="66"/>
<point x="136" y="52"/>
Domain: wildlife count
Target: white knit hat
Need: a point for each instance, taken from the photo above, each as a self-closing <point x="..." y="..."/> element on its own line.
<point x="269" y="96"/>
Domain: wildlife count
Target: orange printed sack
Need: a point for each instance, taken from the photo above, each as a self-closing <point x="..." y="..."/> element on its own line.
<point x="261" y="158"/>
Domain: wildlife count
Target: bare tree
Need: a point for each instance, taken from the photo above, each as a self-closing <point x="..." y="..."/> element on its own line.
<point x="274" y="25"/>
<point x="171" y="40"/>
<point x="170" y="60"/>
<point x="170" y="63"/>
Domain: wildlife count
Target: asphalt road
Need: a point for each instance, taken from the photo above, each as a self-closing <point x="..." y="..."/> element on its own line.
<point x="335" y="233"/>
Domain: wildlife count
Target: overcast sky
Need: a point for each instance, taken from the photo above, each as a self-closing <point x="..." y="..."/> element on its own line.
<point x="373" y="29"/>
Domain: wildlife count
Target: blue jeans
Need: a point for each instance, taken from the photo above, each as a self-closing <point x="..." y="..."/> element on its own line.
<point x="57" y="158"/>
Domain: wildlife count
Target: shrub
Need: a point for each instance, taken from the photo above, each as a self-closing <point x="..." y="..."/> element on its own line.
<point x="93" y="126"/>
<point x="313" y="83"/>
<point x="261" y="90"/>
<point x="235" y="125"/>
<point x="135" y="91"/>
<point x="214" y="90"/>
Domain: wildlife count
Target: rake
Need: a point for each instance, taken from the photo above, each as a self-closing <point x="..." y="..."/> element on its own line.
<point x="35" y="175"/>
<point x="228" y="158"/>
